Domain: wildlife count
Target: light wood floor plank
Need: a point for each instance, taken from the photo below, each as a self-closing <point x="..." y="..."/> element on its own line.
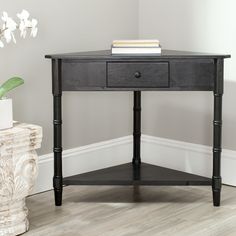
<point x="129" y="211"/>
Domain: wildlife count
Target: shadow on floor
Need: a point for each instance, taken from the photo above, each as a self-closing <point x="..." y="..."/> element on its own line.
<point x="133" y="194"/>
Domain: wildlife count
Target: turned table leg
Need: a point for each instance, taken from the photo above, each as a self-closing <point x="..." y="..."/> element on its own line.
<point x="216" y="178"/>
<point x="57" y="178"/>
<point x="57" y="130"/>
<point x="137" y="128"/>
<point x="217" y="133"/>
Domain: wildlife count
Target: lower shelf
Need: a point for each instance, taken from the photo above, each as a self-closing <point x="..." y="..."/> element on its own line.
<point x="146" y="174"/>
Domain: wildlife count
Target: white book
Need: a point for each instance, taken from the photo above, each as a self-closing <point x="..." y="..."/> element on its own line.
<point x="145" y="50"/>
<point x="136" y="43"/>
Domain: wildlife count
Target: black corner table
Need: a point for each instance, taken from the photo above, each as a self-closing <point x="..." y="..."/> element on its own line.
<point x="170" y="71"/>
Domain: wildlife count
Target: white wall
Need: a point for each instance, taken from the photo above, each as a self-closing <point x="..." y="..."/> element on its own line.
<point x="69" y="26"/>
<point x="193" y="25"/>
<point x="66" y="26"/>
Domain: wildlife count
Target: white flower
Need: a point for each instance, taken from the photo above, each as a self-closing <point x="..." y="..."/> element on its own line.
<point x="24" y="22"/>
<point x="9" y="27"/>
<point x="34" y="30"/>
<point x="24" y="15"/>
<point x="7" y="35"/>
<point x="9" y="23"/>
<point x="23" y="29"/>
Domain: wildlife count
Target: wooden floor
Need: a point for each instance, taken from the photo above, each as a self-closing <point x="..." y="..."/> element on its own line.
<point x="128" y="211"/>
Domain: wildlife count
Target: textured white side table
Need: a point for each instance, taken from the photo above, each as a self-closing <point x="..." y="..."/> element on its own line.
<point x="18" y="170"/>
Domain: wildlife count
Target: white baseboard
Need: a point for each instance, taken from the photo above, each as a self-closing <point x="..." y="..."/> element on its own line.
<point x="192" y="158"/>
<point x="188" y="157"/>
<point x="83" y="159"/>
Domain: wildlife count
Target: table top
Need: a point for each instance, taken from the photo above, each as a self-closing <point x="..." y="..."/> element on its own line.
<point x="106" y="55"/>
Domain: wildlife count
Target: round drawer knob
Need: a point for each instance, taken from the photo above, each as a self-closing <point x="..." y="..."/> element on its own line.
<point x="137" y="74"/>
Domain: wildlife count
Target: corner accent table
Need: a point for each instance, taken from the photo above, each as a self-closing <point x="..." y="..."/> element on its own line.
<point x="170" y="71"/>
<point x="18" y="170"/>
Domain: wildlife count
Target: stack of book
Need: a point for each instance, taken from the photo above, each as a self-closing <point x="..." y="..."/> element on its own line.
<point x="136" y="47"/>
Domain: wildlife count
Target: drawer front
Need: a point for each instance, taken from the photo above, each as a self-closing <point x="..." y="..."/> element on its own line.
<point x="138" y="74"/>
<point x="77" y="75"/>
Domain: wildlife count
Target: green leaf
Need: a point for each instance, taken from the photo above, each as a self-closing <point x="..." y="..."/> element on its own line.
<point x="9" y="85"/>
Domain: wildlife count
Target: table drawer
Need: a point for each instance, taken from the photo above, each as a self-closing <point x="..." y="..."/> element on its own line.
<point x="138" y="74"/>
